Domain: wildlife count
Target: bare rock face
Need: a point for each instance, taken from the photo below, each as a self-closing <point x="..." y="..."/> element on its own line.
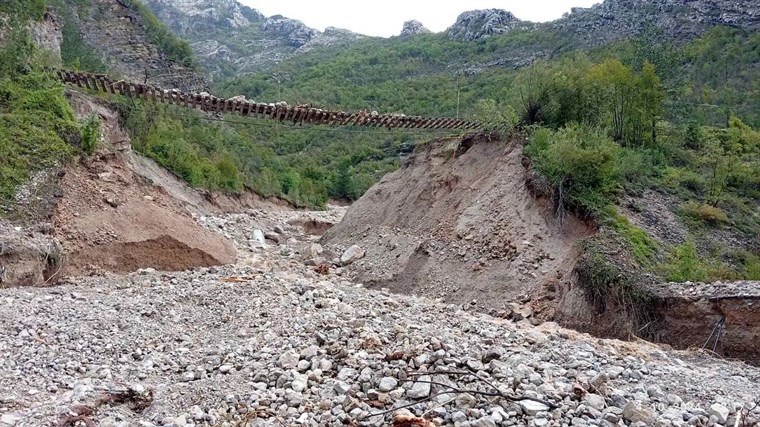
<point x="231" y="38"/>
<point x="295" y="31"/>
<point x="477" y="24"/>
<point x="48" y="34"/>
<point x="413" y="27"/>
<point x="678" y="20"/>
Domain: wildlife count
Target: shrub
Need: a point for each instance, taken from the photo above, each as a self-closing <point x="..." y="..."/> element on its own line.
<point x="638" y="241"/>
<point x="91" y="134"/>
<point x="675" y="178"/>
<point x="581" y="166"/>
<point x="711" y="215"/>
<point x="685" y="265"/>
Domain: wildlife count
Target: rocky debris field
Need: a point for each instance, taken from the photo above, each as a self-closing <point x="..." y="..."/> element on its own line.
<point x="271" y="341"/>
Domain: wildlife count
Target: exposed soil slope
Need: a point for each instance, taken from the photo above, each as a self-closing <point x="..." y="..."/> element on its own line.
<point x="111" y="218"/>
<point x="457" y="222"/>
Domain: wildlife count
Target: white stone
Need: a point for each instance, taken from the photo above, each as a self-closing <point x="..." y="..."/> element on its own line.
<point x="352" y="254"/>
<point x="387" y="384"/>
<point x="720" y="412"/>
<point x="289" y="359"/>
<point x="419" y="389"/>
<point x="531" y="407"/>
<point x="595" y="401"/>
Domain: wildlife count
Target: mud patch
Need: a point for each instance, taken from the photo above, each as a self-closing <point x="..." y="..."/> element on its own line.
<point x="163" y="253"/>
<point x="312" y="227"/>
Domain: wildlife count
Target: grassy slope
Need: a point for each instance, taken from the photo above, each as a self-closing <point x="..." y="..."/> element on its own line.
<point x="37" y="126"/>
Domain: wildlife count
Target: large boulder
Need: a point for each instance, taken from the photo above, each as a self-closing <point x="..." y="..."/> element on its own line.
<point x="412" y="28"/>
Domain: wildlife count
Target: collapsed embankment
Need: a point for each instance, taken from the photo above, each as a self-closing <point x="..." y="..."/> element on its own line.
<point x="112" y="212"/>
<point x="458" y="222"/>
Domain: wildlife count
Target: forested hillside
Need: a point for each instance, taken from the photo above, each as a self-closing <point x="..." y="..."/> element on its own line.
<point x="650" y="110"/>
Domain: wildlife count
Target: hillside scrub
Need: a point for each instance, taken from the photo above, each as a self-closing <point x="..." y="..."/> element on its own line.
<point x="275" y="160"/>
<point x="38" y="129"/>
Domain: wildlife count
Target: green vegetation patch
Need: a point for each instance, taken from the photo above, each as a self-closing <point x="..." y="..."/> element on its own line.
<point x="38" y="129"/>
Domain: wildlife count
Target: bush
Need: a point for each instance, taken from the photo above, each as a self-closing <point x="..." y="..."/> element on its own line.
<point x="711" y="215"/>
<point x="685" y="265"/>
<point x="638" y="241"/>
<point x="91" y="134"/>
<point x="676" y="178"/>
<point x="581" y="166"/>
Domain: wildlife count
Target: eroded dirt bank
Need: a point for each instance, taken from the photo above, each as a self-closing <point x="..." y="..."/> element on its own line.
<point x="457" y="222"/>
<point x="117" y="213"/>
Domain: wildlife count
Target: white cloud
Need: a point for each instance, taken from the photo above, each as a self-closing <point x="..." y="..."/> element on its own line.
<point x="386" y="18"/>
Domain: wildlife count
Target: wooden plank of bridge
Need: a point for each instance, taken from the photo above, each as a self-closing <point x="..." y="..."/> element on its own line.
<point x="111" y="86"/>
<point x="152" y="93"/>
<point x="306" y="115"/>
<point x="86" y="79"/>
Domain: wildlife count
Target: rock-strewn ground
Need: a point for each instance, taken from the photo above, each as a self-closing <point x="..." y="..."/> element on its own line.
<point x="272" y="343"/>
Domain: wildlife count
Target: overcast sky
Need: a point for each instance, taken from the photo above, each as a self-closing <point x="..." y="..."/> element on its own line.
<point x="386" y="17"/>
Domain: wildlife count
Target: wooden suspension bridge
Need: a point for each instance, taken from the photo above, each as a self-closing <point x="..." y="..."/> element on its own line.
<point x="280" y="111"/>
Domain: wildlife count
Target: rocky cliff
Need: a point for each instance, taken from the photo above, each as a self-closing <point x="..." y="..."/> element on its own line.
<point x="413" y="27"/>
<point x="233" y="38"/>
<point x="477" y="24"/>
<point x="126" y="39"/>
<point x="614" y="20"/>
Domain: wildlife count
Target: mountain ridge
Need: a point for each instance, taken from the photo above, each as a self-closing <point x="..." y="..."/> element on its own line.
<point x="232" y="38"/>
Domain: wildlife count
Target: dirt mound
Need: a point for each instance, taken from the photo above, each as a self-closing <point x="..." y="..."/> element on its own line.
<point x="108" y="219"/>
<point x="117" y="213"/>
<point x="457" y="222"/>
